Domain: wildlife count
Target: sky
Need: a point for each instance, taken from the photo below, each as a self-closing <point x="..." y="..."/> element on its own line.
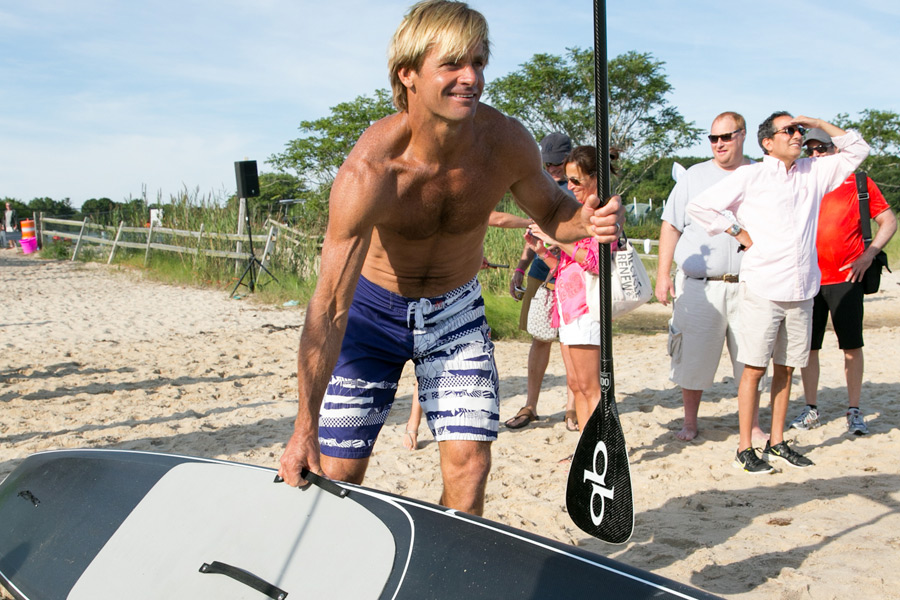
<point x="119" y="98"/>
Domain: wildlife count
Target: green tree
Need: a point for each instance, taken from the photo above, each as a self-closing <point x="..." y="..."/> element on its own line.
<point x="657" y="184"/>
<point x="52" y="208"/>
<point x="548" y="94"/>
<point x="99" y="209"/>
<point x="881" y="129"/>
<point x="553" y="93"/>
<point x="316" y="157"/>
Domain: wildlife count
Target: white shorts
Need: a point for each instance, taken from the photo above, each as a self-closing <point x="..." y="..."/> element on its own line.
<point x="769" y="329"/>
<point x="583" y="331"/>
<point x="704" y="319"/>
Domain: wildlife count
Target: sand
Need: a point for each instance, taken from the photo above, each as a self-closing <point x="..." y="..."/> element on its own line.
<point x="93" y="356"/>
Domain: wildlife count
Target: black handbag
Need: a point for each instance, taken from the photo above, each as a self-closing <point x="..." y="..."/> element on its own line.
<point x="872" y="278"/>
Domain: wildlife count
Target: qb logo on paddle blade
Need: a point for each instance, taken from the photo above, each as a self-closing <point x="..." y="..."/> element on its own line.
<point x="598" y="483"/>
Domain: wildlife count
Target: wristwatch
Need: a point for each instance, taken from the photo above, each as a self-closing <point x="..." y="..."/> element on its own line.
<point x="734" y="231"/>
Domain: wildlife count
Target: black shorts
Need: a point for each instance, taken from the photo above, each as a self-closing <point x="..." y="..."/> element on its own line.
<point x="844" y="302"/>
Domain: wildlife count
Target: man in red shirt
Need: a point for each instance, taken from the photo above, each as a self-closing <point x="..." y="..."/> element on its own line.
<point x="843" y="260"/>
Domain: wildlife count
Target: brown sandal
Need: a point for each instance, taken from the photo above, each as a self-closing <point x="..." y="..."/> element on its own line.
<point x="571" y="420"/>
<point x="525" y="416"/>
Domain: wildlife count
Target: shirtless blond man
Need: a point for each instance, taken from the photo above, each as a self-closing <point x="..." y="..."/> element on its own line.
<point x="408" y="214"/>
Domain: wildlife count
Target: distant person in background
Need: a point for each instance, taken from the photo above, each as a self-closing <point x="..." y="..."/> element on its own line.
<point x="772" y="209"/>
<point x="843" y="260"/>
<point x="10" y="224"/>
<point x="705" y="312"/>
<point x="554" y="149"/>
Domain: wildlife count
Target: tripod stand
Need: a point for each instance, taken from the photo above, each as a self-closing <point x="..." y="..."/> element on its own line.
<point x="253" y="263"/>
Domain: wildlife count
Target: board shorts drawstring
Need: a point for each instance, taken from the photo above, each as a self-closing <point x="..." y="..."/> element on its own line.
<point x="418" y="310"/>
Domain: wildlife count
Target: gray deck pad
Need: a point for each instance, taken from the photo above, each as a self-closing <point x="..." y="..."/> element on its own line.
<point x="309" y="543"/>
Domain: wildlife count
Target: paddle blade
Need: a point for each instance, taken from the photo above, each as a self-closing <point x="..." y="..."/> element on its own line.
<point x="598" y="493"/>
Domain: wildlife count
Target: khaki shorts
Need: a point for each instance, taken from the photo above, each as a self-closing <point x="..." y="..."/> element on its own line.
<point x="769" y="329"/>
<point x="704" y="319"/>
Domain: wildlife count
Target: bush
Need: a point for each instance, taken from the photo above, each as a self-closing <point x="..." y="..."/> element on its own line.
<point x="647" y="229"/>
<point x="57" y="250"/>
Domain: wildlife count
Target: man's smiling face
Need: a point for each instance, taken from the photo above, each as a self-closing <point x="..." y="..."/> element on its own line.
<point x="449" y="87"/>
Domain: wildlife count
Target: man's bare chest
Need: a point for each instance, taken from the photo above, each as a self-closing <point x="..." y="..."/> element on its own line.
<point x="450" y="203"/>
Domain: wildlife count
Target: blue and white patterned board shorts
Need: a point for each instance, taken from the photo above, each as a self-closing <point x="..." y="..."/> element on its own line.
<point x="448" y="340"/>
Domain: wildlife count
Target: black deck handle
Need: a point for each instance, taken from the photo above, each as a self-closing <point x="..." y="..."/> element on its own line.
<point x="245" y="577"/>
<point x="319" y="481"/>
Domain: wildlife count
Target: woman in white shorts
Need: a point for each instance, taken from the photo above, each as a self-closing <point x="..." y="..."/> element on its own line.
<point x="579" y="334"/>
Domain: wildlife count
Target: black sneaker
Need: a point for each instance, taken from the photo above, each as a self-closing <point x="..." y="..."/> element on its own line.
<point x="749" y="462"/>
<point x="785" y="453"/>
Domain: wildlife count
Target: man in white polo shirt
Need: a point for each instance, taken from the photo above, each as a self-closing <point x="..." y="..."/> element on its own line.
<point x="705" y="314"/>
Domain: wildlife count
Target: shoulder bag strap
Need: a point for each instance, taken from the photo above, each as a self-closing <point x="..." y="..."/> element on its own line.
<point x="862" y="190"/>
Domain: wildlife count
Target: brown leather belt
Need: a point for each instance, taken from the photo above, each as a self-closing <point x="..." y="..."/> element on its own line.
<point x="727" y="278"/>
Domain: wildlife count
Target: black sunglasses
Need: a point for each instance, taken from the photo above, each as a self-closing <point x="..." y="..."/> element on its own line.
<point x="725" y="137"/>
<point x="546" y="164"/>
<point x="821" y="149"/>
<point x="790" y="130"/>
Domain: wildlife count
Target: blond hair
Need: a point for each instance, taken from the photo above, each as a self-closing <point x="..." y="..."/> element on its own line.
<point x="737" y="118"/>
<point x="452" y="28"/>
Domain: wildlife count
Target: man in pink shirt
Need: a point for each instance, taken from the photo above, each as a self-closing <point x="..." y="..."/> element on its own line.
<point x="772" y="209"/>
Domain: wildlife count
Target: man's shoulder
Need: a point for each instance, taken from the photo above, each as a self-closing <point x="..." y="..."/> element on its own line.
<point x="701" y="166"/>
<point x="502" y="129"/>
<point x="703" y="175"/>
<point x="384" y="140"/>
<point x="382" y="133"/>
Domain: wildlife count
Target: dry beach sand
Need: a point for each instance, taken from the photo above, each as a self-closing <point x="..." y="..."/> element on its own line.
<point x="92" y="356"/>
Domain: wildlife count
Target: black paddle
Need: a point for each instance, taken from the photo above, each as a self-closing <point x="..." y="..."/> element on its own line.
<point x="598" y="492"/>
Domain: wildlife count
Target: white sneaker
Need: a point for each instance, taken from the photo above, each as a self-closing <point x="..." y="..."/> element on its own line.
<point x="855" y="422"/>
<point x="808" y="419"/>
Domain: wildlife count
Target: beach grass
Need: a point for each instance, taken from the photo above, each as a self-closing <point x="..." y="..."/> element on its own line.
<point x="294" y="262"/>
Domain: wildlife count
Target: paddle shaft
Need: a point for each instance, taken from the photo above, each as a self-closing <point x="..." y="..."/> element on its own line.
<point x="601" y="121"/>
<point x="598" y="492"/>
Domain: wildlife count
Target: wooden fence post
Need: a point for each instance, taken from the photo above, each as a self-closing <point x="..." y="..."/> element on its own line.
<point x="149" y="238"/>
<point x="80" y="235"/>
<point x="268" y="248"/>
<point x="116" y="241"/>
<point x="199" y="244"/>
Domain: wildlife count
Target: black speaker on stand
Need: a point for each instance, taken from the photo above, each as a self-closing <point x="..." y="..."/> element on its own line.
<point x="248" y="187"/>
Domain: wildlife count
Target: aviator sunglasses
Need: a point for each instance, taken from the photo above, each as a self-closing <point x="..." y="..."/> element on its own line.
<point x="581" y="182"/>
<point x="725" y="137"/>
